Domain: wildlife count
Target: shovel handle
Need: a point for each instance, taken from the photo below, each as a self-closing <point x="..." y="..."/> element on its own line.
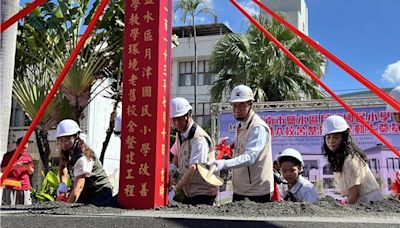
<point x="212" y="169"/>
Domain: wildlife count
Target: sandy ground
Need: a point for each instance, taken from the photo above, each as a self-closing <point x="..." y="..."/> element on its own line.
<point x="324" y="213"/>
<point x="326" y="207"/>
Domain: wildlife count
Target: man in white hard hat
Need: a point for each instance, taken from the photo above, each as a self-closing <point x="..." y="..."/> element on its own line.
<point x="192" y="146"/>
<point x="252" y="155"/>
<point x="395" y="93"/>
<point x="300" y="189"/>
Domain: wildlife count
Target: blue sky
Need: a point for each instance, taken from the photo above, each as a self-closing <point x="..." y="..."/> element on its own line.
<point x="363" y="33"/>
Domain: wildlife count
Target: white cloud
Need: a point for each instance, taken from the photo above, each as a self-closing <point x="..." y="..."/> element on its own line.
<point x="392" y="72"/>
<point x="251" y="8"/>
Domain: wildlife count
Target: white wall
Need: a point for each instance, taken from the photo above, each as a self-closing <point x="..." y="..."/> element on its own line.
<point x="96" y="124"/>
<point x="295" y="10"/>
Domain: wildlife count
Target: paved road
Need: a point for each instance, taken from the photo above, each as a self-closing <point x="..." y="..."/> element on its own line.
<point x="16" y="219"/>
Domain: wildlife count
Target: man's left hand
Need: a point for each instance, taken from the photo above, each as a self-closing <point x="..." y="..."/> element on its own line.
<point x="219" y="163"/>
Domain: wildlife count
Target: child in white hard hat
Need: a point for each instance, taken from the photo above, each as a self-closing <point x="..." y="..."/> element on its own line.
<point x="300" y="189"/>
<point x="352" y="175"/>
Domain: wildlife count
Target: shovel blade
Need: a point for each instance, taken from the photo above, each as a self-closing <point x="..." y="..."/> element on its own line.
<point x="209" y="176"/>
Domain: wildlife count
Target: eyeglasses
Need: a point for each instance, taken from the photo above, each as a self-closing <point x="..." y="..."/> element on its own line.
<point x="240" y="105"/>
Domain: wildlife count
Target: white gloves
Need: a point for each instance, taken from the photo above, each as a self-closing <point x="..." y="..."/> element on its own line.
<point x="62" y="188"/>
<point x="219" y="163"/>
<point x="172" y="166"/>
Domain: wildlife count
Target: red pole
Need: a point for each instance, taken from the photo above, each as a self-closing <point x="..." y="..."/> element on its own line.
<point x="21" y="14"/>
<point x="314" y="77"/>
<point x="144" y="137"/>
<point x="378" y="91"/>
<point x="57" y="84"/>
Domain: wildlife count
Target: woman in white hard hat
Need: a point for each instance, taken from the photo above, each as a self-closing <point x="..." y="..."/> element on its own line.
<point x="395" y="93"/>
<point x="352" y="175"/>
<point x="300" y="189"/>
<point x="192" y="146"/>
<point x="251" y="165"/>
<point x="90" y="181"/>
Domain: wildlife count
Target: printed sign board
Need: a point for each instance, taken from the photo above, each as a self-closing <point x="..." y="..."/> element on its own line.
<point x="301" y="129"/>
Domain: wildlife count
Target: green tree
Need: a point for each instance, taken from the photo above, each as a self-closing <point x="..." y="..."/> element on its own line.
<point x="31" y="91"/>
<point x="190" y="10"/>
<point x="46" y="39"/>
<point x="252" y="59"/>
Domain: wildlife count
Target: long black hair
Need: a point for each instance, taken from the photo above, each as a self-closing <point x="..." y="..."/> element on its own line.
<point x="79" y="147"/>
<point x="347" y="147"/>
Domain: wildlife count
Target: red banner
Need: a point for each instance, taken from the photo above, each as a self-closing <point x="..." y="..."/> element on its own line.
<point x="145" y="123"/>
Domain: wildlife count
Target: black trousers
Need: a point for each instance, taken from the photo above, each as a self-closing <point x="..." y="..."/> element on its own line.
<point x="103" y="198"/>
<point x="199" y="199"/>
<point x="258" y="199"/>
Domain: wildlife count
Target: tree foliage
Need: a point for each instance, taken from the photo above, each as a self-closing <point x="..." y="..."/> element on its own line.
<point x="252" y="59"/>
<point x="46" y="39"/>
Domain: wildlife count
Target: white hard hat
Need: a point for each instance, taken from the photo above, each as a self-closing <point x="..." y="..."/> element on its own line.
<point x="334" y="124"/>
<point x="67" y="127"/>
<point x="179" y="107"/>
<point x="395" y="93"/>
<point x="290" y="152"/>
<point x="117" y="124"/>
<point x="241" y="93"/>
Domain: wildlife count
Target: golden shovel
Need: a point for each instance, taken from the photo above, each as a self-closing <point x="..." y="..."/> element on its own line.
<point x="209" y="176"/>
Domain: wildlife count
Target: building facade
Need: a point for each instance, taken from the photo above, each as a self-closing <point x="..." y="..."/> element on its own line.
<point x="295" y="12"/>
<point x="183" y="63"/>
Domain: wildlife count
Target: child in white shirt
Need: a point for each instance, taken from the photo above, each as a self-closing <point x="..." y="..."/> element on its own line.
<point x="299" y="188"/>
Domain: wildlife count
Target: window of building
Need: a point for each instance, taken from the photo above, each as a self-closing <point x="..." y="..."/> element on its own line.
<point x="390" y="163"/>
<point x="308" y="165"/>
<point x="389" y="180"/>
<point x="374" y="165"/>
<point x="186" y="73"/>
<point x="327" y="170"/>
<point x="18" y="117"/>
<point x="378" y="165"/>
